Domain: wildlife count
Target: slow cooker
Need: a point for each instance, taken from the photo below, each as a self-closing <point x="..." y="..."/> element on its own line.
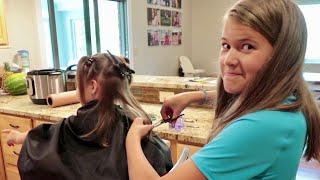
<point x="41" y="83"/>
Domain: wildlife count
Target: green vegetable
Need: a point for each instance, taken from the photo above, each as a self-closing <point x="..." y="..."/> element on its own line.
<point x="15" y="84"/>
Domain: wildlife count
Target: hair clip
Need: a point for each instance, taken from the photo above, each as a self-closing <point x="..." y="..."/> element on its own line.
<point x="122" y="68"/>
<point x="90" y="61"/>
<point x="127" y="60"/>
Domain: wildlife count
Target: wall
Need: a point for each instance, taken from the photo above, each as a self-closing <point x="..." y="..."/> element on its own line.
<point x="206" y="31"/>
<point x="22" y="30"/>
<point x="156" y="60"/>
<point x="202" y="24"/>
<point x="315" y="68"/>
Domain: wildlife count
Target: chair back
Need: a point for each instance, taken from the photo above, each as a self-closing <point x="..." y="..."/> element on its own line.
<point x="186" y="64"/>
<point x="184" y="155"/>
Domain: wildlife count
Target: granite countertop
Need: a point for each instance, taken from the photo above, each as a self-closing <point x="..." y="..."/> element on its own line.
<point x="208" y="83"/>
<point x="198" y="121"/>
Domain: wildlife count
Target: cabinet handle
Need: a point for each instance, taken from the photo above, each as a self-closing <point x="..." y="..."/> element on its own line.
<point x="14" y="152"/>
<point x="14" y="126"/>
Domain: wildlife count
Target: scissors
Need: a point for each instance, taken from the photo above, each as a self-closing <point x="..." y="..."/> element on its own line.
<point x="168" y="120"/>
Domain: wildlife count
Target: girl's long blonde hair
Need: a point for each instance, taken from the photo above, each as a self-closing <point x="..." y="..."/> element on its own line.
<point x="114" y="77"/>
<point x="282" y="23"/>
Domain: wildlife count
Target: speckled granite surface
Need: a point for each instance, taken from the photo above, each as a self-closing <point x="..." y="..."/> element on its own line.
<point x="174" y="82"/>
<point x="198" y="121"/>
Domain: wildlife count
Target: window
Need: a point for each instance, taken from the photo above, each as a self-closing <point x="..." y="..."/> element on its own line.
<point x="75" y="28"/>
<point x="46" y="28"/>
<point x="311" y="12"/>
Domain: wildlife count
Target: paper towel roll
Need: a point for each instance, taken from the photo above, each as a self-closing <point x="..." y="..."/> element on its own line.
<point x="61" y="99"/>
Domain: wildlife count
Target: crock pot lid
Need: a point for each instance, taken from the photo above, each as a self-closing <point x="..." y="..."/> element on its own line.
<point x="45" y="72"/>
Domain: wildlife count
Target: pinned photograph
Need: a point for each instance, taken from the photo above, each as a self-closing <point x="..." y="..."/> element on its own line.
<point x="165" y="17"/>
<point x="176" y="38"/>
<point x="153" y="2"/>
<point x="165" y="3"/>
<point x="165" y="37"/>
<point x="153" y="16"/>
<point x="176" y="19"/>
<point x="153" y="37"/>
<point x="176" y="4"/>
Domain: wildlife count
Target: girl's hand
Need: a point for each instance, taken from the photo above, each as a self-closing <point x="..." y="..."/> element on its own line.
<point x="14" y="137"/>
<point x="173" y="106"/>
<point x="138" y="129"/>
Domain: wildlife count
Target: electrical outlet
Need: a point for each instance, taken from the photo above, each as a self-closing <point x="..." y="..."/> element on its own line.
<point x="165" y="95"/>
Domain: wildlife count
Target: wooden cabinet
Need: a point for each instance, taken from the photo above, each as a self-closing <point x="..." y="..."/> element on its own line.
<point x="10" y="154"/>
<point x="192" y="149"/>
<point x="3" y="30"/>
<point x="12" y="172"/>
<point x="2" y="173"/>
<point x="176" y="149"/>
<point x="39" y="122"/>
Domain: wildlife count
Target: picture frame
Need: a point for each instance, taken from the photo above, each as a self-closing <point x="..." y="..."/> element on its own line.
<point x="165" y="37"/>
<point x="176" y="19"/>
<point x="165" y="17"/>
<point x="153" y="2"/>
<point x="166" y="3"/>
<point x="176" y="4"/>
<point x="153" y="37"/>
<point x="153" y="16"/>
<point x="176" y="37"/>
<point x="3" y="29"/>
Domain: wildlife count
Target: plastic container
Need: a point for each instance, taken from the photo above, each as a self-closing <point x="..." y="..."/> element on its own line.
<point x="178" y="125"/>
<point x="24" y="60"/>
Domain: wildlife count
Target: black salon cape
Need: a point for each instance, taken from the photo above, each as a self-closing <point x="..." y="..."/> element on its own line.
<point x="58" y="152"/>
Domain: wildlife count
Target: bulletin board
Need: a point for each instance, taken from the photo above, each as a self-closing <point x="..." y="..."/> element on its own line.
<point x="164" y="18"/>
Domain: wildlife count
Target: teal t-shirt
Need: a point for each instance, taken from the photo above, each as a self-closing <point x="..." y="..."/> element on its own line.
<point x="262" y="145"/>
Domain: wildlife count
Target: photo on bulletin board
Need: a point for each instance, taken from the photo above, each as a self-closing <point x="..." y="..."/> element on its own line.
<point x="176" y="38"/>
<point x="176" y="4"/>
<point x="165" y="17"/>
<point x="153" y="16"/>
<point x="165" y="37"/>
<point x="176" y="19"/>
<point x="153" y="2"/>
<point x="165" y="3"/>
<point x="153" y="37"/>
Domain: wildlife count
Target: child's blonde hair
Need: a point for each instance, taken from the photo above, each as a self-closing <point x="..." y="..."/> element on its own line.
<point x="114" y="77"/>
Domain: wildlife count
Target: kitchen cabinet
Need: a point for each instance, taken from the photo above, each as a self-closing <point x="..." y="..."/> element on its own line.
<point x="10" y="154"/>
<point x="192" y="149"/>
<point x="176" y="149"/>
<point x="3" y="30"/>
<point x="37" y="122"/>
<point x="2" y="173"/>
<point x="12" y="172"/>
